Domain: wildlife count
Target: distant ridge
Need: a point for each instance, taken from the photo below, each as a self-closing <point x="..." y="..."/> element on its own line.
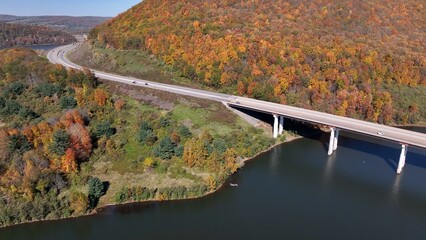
<point x="26" y="35"/>
<point x="74" y="25"/>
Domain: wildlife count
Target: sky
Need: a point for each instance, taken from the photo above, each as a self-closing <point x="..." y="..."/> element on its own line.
<point x="105" y="8"/>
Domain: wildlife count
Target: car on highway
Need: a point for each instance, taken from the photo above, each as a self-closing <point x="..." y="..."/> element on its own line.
<point x="238" y="102"/>
<point x="380" y="133"/>
<point x="134" y="81"/>
<point x="146" y="83"/>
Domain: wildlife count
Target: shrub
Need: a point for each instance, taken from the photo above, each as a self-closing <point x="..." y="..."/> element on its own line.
<point x="162" y="168"/>
<point x="67" y="102"/>
<point x="27" y="113"/>
<point x="78" y="202"/>
<point x="2" y="102"/>
<point x="197" y="190"/>
<point x="11" y="107"/>
<point x="14" y="89"/>
<point x="121" y="196"/>
<point x="18" y="143"/>
<point x="179" y="150"/>
<point x="104" y="129"/>
<point x="47" y="89"/>
<point x="96" y="190"/>
<point x="96" y="187"/>
<point x="16" y="69"/>
<point x="60" y="142"/>
<point x="184" y="131"/>
<point x="149" y="163"/>
<point x="164" y="122"/>
<point x="165" y="149"/>
<point x="147" y="137"/>
<point x="219" y="146"/>
<point x="145" y="126"/>
<point x="146" y="134"/>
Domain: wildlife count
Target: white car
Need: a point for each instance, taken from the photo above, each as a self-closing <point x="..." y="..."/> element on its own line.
<point x="380" y="133"/>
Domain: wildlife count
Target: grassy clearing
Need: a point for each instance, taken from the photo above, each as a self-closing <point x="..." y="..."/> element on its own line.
<point x="125" y="166"/>
<point x="150" y="179"/>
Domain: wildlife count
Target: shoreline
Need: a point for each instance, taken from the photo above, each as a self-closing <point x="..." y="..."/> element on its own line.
<point x="291" y="138"/>
<point x="101" y="208"/>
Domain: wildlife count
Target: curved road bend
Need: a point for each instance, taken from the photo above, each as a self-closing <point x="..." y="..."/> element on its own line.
<point x="403" y="136"/>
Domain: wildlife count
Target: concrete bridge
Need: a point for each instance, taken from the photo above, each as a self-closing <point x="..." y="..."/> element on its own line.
<point x="335" y="123"/>
<point x="278" y="111"/>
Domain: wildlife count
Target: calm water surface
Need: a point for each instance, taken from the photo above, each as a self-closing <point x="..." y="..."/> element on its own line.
<point x="43" y="47"/>
<point x="294" y="191"/>
<point x="37" y="47"/>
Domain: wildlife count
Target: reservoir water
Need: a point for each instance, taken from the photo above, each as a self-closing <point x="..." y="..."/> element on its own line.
<point x="294" y="191"/>
<point x="37" y="47"/>
<point x="43" y="47"/>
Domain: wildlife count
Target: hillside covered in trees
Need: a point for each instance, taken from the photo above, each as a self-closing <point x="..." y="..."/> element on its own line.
<point x="25" y="35"/>
<point x="73" y="25"/>
<point x="362" y="59"/>
<point x="69" y="144"/>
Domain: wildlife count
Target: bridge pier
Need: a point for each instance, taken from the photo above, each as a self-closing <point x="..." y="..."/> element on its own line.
<point x="275" y="126"/>
<point x="402" y="157"/>
<point x="331" y="142"/>
<point x="278" y="125"/>
<point x="336" y="139"/>
<point x="281" y="127"/>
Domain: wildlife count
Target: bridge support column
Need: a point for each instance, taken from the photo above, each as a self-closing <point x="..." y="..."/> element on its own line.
<point x="336" y="139"/>
<point x="402" y="156"/>
<point x="281" y="127"/>
<point x="275" y="126"/>
<point x="331" y="142"/>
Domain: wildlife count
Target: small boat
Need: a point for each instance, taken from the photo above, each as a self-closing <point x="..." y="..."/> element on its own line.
<point x="233" y="185"/>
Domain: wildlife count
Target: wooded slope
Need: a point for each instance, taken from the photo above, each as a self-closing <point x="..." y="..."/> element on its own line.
<point x="357" y="58"/>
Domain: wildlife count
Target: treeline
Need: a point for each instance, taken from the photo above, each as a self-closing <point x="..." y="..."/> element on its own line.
<point x="352" y="58"/>
<point x="24" y="35"/>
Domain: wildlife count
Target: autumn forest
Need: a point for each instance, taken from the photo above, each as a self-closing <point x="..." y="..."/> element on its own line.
<point x="362" y="59"/>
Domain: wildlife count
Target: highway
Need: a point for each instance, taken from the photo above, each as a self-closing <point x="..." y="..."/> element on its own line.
<point x="58" y="56"/>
